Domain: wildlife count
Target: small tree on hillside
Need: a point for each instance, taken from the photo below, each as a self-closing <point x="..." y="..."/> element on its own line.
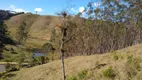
<point x="63" y="40"/>
<point x="53" y="35"/>
<point x="63" y="32"/>
<point x="22" y="32"/>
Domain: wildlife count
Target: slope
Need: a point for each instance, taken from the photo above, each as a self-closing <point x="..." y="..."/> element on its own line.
<point x="40" y="27"/>
<point x="117" y="65"/>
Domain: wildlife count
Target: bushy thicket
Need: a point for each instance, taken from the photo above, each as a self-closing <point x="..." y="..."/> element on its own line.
<point x="111" y="26"/>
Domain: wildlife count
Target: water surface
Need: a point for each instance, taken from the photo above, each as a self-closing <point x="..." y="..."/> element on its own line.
<point x="2" y="68"/>
<point x="39" y="54"/>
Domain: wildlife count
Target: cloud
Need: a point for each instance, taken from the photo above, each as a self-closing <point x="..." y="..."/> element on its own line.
<point x="74" y="10"/>
<point x="38" y="9"/>
<point x="96" y="4"/>
<point x="81" y="9"/>
<point x="13" y="8"/>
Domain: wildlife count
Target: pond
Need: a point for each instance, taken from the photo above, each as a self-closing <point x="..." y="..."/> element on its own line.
<point x="2" y="68"/>
<point x="39" y="54"/>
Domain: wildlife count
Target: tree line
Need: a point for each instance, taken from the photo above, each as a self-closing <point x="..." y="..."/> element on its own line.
<point x="4" y="33"/>
<point x="114" y="25"/>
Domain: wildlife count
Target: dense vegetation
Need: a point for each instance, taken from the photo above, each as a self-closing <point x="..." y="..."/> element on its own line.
<point x="7" y="14"/>
<point x="4" y="15"/>
<point x="112" y="26"/>
<point x="5" y="38"/>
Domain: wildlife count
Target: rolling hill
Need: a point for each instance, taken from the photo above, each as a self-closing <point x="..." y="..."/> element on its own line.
<point x="124" y="64"/>
<point x="40" y="27"/>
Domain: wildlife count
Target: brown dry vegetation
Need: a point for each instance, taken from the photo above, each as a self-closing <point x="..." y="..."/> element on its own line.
<point x="95" y="64"/>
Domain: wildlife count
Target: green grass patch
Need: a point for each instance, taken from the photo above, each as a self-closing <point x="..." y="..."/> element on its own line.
<point x="109" y="72"/>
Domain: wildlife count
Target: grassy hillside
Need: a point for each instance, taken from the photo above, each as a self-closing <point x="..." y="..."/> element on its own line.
<point x="40" y="27"/>
<point x="123" y="64"/>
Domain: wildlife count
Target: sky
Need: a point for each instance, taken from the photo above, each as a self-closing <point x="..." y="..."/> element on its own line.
<point x="46" y="7"/>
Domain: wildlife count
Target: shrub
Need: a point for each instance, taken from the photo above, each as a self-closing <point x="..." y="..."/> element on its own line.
<point x="82" y="74"/>
<point x="72" y="78"/>
<point x="132" y="66"/>
<point x="25" y="57"/>
<point x="109" y="73"/>
<point x="135" y="62"/>
<point x="1" y="74"/>
<point x="129" y="59"/>
<point x="10" y="67"/>
<point x="115" y="57"/>
<point x="48" y="47"/>
<point x="7" y="76"/>
<point x="21" y="58"/>
<point x="38" y="59"/>
<point x="50" y="56"/>
<point x="88" y="74"/>
<point x="42" y="59"/>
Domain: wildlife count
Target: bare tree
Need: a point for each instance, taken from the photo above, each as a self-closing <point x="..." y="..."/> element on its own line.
<point x="63" y="32"/>
<point x="64" y="39"/>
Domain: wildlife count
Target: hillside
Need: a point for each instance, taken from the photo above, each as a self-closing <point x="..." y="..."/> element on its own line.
<point x="123" y="64"/>
<point x="100" y="41"/>
<point x="40" y="27"/>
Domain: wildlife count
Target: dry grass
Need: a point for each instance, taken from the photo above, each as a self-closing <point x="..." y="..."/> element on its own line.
<point x="41" y="27"/>
<point x="94" y="63"/>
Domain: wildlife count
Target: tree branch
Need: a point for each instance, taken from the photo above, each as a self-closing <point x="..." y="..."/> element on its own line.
<point x="68" y="39"/>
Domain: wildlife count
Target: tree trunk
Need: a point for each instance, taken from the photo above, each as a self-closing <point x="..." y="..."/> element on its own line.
<point x="63" y="67"/>
<point x="62" y="53"/>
